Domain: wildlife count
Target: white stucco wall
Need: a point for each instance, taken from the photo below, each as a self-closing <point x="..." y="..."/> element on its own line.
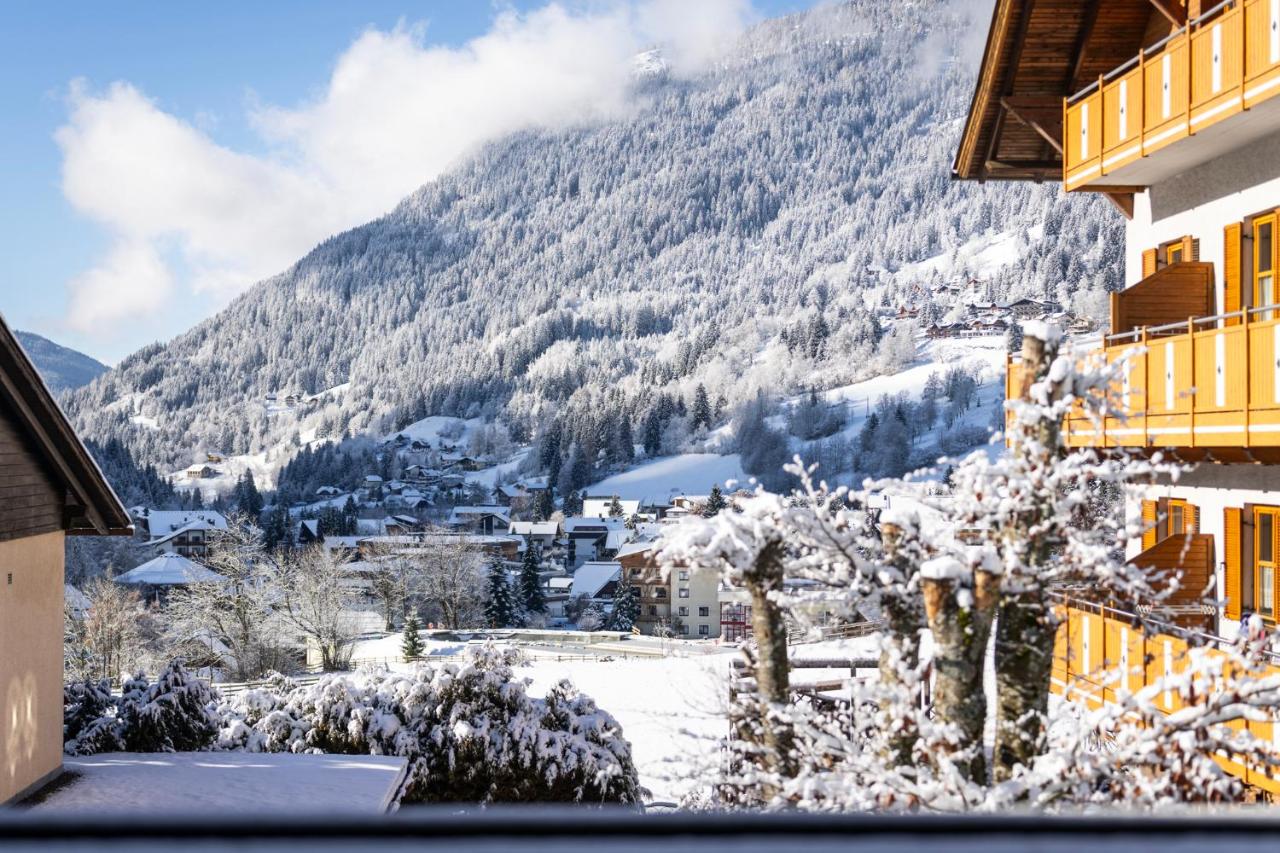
<point x="1201" y="201"/>
<point x="1213" y="488"/>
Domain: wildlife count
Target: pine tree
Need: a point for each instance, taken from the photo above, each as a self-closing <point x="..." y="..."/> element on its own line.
<point x="498" y="607"/>
<point x="653" y="433"/>
<point x="615" y="508"/>
<point x="411" y="648"/>
<point x="701" y="408"/>
<point x="626" y="608"/>
<point x="715" y="503"/>
<point x="544" y="504"/>
<point x="573" y="504"/>
<point x="531" y="598"/>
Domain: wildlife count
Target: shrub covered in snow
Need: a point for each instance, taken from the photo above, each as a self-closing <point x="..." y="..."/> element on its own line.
<point x="172" y="715"/>
<point x="471" y="732"/>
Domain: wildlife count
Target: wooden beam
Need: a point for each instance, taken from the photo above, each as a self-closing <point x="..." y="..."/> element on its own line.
<point x="1176" y="15"/>
<point x="1041" y="114"/>
<point x="1123" y="203"/>
<point x="1082" y="41"/>
<point x="1109" y="188"/>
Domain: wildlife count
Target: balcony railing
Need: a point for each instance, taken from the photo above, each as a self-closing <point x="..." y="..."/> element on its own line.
<point x="1210" y="382"/>
<point x="1099" y="650"/>
<point x="1225" y="61"/>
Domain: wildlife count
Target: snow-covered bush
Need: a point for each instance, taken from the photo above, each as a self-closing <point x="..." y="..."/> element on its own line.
<point x="171" y="715"/>
<point x="89" y="722"/>
<point x="471" y="732"/>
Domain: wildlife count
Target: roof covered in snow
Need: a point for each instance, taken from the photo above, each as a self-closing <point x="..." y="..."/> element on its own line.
<point x="591" y="577"/>
<point x="168" y="570"/>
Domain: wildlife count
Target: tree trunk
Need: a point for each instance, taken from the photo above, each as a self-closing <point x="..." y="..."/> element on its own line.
<point x="772" y="675"/>
<point x="1026" y="625"/>
<point x="960" y="619"/>
<point x="1024" y="654"/>
<point x="900" y="651"/>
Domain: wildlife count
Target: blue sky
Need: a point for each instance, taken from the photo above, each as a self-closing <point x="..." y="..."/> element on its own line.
<point x="208" y="67"/>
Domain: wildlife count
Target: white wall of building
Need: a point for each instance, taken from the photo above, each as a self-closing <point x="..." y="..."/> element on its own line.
<point x="1213" y="488"/>
<point x="1201" y="201"/>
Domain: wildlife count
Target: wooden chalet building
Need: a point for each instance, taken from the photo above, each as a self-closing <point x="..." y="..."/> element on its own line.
<point x="50" y="488"/>
<point x="1171" y="110"/>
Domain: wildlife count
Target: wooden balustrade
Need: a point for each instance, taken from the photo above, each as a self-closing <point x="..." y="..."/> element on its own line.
<point x="1099" y="650"/>
<point x="1214" y="67"/>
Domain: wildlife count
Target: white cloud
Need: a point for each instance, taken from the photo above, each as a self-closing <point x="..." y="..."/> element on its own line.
<point x="395" y="113"/>
<point x="132" y="281"/>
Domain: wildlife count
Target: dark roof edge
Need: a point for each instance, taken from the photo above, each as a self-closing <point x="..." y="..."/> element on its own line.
<point x="22" y="388"/>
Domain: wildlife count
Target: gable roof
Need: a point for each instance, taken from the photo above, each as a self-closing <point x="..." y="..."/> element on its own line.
<point x="168" y="570"/>
<point x="91" y="505"/>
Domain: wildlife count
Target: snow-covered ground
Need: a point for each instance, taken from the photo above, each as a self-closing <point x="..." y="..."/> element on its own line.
<point x="673" y="711"/>
<point x="685" y="474"/>
<point x="226" y="783"/>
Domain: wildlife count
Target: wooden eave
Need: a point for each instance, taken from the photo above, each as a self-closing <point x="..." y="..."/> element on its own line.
<point x="1037" y="53"/>
<point x="91" y="505"/>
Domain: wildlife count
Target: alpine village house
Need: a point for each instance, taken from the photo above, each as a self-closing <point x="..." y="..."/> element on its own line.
<point x="50" y="487"/>
<point x="1171" y="110"/>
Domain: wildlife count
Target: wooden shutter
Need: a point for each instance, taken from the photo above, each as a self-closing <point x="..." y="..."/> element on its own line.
<point x="1148" y="524"/>
<point x="1232" y="283"/>
<point x="1190" y="248"/>
<point x="1193" y="518"/>
<point x="1231" y="560"/>
<point x="1148" y="262"/>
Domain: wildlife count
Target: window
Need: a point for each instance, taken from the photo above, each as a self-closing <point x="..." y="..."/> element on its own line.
<point x="1264" y="257"/>
<point x="1173" y="254"/>
<point x="684" y="592"/>
<point x="684" y="574"/>
<point x="1264" y="551"/>
<point x="684" y="611"/>
<point x="653" y="611"/>
<point x="684" y="629"/>
<point x="1182" y="517"/>
<point x="635" y="573"/>
<point x="704" y="630"/>
<point x="702" y="611"/>
<point x="660" y="592"/>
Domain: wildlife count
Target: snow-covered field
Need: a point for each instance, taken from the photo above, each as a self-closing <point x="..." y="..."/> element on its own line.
<point x="226" y="783"/>
<point x="685" y="474"/>
<point x="672" y="710"/>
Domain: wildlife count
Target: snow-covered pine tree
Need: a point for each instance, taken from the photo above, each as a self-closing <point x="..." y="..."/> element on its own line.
<point x="544" y="504"/>
<point x="715" y="503"/>
<point x="626" y="607"/>
<point x="615" y="508"/>
<point x="499" y="609"/>
<point x="532" y="600"/>
<point x="701" y="415"/>
<point x="171" y="715"/>
<point x="411" y="647"/>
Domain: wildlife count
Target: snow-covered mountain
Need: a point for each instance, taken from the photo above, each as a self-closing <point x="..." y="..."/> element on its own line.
<point x="60" y="367"/>
<point x="737" y="230"/>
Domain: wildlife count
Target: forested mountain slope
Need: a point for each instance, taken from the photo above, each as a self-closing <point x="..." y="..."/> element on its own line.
<point x="60" y="367"/>
<point x="734" y="230"/>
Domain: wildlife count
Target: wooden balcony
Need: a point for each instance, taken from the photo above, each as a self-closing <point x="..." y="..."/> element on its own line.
<point x="1100" y="650"/>
<point x="1207" y="387"/>
<point x="1183" y="93"/>
<point x="1168" y="296"/>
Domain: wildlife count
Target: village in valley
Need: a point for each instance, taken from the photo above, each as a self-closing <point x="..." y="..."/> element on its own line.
<point x="838" y="424"/>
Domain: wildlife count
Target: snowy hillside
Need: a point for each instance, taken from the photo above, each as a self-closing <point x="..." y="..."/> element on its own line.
<point x="747" y="229"/>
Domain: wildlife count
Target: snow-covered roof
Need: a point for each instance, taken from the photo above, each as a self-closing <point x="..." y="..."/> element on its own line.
<point x="162" y="521"/>
<point x="75" y="600"/>
<point x="560" y="583"/>
<point x="168" y="570"/>
<point x="464" y="514"/>
<point x="311" y="524"/>
<point x="372" y="478"/>
<point x="591" y="577"/>
<point x="599" y="507"/>
<point x="615" y="539"/>
<point x="511" y="491"/>
<point x="575" y="522"/>
<point x="534" y="528"/>
<point x="635" y="548"/>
